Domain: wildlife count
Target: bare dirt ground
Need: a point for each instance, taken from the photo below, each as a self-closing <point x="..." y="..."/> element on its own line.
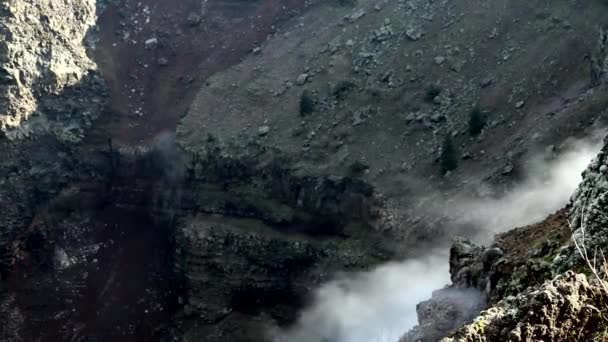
<point x="152" y="87"/>
<point x="517" y="242"/>
<point x="123" y="290"/>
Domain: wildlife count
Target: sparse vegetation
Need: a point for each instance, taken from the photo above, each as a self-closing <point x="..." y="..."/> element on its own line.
<point x="307" y="104"/>
<point x="449" y="155"/>
<point x="359" y="166"/>
<point x="477" y="121"/>
<point x="599" y="272"/>
<point x="342" y="88"/>
<point x="432" y="91"/>
<point x="598" y="269"/>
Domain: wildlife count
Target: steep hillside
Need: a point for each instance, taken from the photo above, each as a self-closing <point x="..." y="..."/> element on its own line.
<point x="389" y="81"/>
<point x="542" y="282"/>
<point x="193" y="170"/>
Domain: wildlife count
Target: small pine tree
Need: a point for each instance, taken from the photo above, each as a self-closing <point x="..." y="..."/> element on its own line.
<point x="431" y="92"/>
<point x="342" y="88"/>
<point x="358" y="166"/>
<point x="307" y="104"/>
<point x="449" y="155"/>
<point x="477" y="122"/>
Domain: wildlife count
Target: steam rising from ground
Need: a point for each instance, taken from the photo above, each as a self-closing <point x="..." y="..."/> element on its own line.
<point x="546" y="189"/>
<point x="375" y="306"/>
<point x="380" y="305"/>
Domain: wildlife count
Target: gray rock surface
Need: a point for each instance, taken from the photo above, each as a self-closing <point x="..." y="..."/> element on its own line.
<point x="588" y="215"/>
<point x="561" y="309"/>
<point x="446" y="311"/>
<point x="44" y="77"/>
<point x="599" y="60"/>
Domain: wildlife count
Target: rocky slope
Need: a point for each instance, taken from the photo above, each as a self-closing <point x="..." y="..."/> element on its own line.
<point x="565" y="308"/>
<point x="542" y="282"/>
<point x="51" y="93"/>
<point x="307" y="139"/>
<point x="46" y="72"/>
<point x="389" y="80"/>
<point x="526" y="280"/>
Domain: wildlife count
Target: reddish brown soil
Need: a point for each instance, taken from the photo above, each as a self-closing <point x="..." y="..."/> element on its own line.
<point x="228" y="31"/>
<point x="517" y="242"/>
<point x="124" y="291"/>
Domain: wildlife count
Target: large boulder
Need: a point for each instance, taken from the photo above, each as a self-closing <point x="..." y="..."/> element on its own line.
<point x="561" y="309"/>
<point x="41" y="75"/>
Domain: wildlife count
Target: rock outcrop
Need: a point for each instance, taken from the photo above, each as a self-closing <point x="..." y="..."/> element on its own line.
<point x="482" y="277"/>
<point x="588" y="215"/>
<point x="542" y="282"/>
<point x="446" y="311"/>
<point x="563" y="309"/>
<point x="261" y="237"/>
<point x="599" y="60"/>
<point x="45" y="71"/>
<point x="242" y="266"/>
<point x="311" y="193"/>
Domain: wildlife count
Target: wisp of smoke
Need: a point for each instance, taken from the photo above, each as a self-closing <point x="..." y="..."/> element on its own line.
<point x="371" y="306"/>
<point x="547" y="188"/>
<point x="380" y="305"/>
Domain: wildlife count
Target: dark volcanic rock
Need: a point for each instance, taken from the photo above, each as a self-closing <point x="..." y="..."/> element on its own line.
<point x="235" y="267"/>
<point x="446" y="311"/>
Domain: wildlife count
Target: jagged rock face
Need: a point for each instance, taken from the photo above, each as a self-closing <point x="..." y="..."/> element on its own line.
<point x="482" y="276"/>
<point x="453" y="306"/>
<point x="249" y="180"/>
<point x="264" y="237"/>
<point x="588" y="214"/>
<point x="32" y="173"/>
<point x="243" y="265"/>
<point x="599" y="60"/>
<point x="564" y="308"/>
<point x="466" y="267"/>
<point x="45" y="70"/>
<point x="50" y="92"/>
<point x="60" y="256"/>
<point x="447" y="310"/>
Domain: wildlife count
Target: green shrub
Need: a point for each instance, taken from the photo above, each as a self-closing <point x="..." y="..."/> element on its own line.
<point x="307" y="104"/>
<point x="432" y="91"/>
<point x="359" y="166"/>
<point x="342" y="88"/>
<point x="449" y="155"/>
<point x="477" y="121"/>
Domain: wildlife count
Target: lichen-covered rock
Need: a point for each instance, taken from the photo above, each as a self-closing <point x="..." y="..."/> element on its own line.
<point x="447" y="310"/>
<point x="563" y="309"/>
<point x="483" y="276"/>
<point x="588" y="216"/>
<point x="44" y="68"/>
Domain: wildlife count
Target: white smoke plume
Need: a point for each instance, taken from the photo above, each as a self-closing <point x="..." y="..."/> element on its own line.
<point x="380" y="305"/>
<point x="375" y="306"/>
<point x="546" y="189"/>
